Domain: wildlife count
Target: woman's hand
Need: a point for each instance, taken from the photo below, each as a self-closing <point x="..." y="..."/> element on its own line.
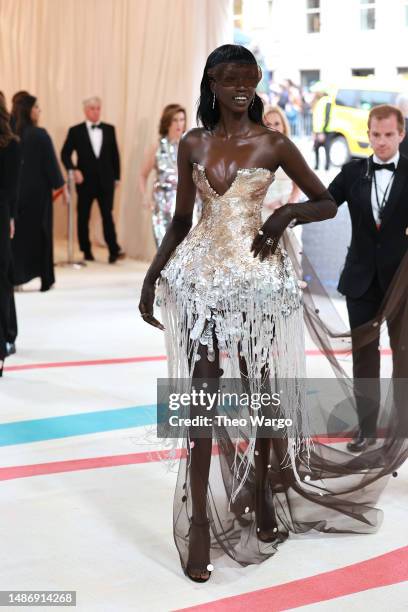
<point x="267" y="239"/>
<point x="12" y="229"/>
<point x="146" y="304"/>
<point x="78" y="177"/>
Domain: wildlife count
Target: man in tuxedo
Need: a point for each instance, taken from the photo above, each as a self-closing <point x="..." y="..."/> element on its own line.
<point x="97" y="173"/>
<point x="376" y="190"/>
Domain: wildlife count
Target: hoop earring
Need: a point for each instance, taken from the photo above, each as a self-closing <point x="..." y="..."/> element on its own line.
<point x="213" y="102"/>
<point x="253" y="101"/>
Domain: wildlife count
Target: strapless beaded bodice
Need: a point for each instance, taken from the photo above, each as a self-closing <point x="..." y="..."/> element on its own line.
<point x="216" y="253"/>
<point x="230" y="221"/>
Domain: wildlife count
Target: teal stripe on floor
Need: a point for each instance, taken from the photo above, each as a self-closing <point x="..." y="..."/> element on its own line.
<point x="50" y="428"/>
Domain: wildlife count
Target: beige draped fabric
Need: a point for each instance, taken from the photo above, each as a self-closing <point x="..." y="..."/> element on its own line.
<point x="137" y="55"/>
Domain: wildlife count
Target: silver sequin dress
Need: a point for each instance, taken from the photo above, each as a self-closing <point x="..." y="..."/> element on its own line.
<point x="213" y="284"/>
<point x="164" y="188"/>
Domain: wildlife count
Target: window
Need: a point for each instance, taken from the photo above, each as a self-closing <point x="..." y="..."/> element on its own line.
<point x="367" y="14"/>
<point x="357" y="98"/>
<point x="347" y="97"/>
<point x="309" y="77"/>
<point x="362" y="71"/>
<point x="313" y="16"/>
<point x="238" y="14"/>
<point x="368" y="99"/>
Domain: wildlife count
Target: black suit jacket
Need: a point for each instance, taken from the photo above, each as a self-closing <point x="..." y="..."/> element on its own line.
<point x="372" y="251"/>
<point x="103" y="170"/>
<point x="404" y="144"/>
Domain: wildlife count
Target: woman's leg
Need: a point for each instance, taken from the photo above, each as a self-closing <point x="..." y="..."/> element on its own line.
<point x="265" y="513"/>
<point x="316" y="147"/>
<point x="200" y="458"/>
<point x="264" y="459"/>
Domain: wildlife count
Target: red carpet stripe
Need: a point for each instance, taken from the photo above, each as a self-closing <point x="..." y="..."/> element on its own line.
<point x="142" y="359"/>
<point x="90" y="463"/>
<point x="381" y="571"/>
<point x="72" y="465"/>
<point x="89" y="362"/>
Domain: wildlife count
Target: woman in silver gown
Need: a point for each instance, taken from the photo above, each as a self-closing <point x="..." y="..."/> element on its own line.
<point x="162" y="158"/>
<point x="233" y="310"/>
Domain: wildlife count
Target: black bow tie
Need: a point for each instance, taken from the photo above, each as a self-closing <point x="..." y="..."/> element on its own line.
<point x="390" y="166"/>
<point x="95" y="125"/>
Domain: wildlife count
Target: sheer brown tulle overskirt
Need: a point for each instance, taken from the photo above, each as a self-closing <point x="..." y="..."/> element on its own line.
<point x="331" y="490"/>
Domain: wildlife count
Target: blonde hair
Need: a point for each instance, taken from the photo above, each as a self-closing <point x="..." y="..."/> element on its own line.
<point x="91" y="100"/>
<point x="277" y="109"/>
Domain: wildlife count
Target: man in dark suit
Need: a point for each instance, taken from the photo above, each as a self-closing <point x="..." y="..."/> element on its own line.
<point x="97" y="173"/>
<point x="376" y="190"/>
<point x="402" y="103"/>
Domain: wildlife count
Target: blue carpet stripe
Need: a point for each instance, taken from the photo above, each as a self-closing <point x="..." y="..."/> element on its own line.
<point x="50" y="428"/>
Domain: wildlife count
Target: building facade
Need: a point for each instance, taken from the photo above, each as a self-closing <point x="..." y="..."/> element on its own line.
<point x="327" y="40"/>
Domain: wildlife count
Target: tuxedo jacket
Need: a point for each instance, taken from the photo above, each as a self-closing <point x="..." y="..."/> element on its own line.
<point x="103" y="170"/>
<point x="372" y="251"/>
<point x="404" y="144"/>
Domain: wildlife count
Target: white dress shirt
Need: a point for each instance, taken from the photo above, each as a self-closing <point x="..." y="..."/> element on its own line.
<point x="95" y="136"/>
<point x="383" y="178"/>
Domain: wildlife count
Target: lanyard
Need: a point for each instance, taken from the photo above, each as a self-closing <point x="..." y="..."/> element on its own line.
<point x="381" y="205"/>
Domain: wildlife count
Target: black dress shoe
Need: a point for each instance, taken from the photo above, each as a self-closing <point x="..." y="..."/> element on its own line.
<point x="113" y="257"/>
<point x="360" y="443"/>
<point x="11" y="348"/>
<point x="46" y="287"/>
<point x="88" y="256"/>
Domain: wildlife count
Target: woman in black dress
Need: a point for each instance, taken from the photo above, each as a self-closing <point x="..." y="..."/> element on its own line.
<point x="9" y="167"/>
<point x="40" y="175"/>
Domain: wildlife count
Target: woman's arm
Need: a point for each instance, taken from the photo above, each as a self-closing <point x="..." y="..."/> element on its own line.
<point x="50" y="162"/>
<point x="320" y="206"/>
<point x="147" y="166"/>
<point x="177" y="231"/>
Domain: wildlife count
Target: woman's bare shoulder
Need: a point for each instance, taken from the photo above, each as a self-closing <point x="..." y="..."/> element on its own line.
<point x="193" y="139"/>
<point x="197" y="133"/>
<point x="275" y="137"/>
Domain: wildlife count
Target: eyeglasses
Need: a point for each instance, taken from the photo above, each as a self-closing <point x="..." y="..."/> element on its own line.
<point x="236" y="75"/>
<point x="238" y="80"/>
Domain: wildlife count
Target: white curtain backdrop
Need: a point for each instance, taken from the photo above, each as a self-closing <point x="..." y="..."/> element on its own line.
<point x="137" y="55"/>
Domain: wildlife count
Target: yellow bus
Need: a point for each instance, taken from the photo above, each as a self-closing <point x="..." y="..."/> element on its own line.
<point x="350" y="105"/>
